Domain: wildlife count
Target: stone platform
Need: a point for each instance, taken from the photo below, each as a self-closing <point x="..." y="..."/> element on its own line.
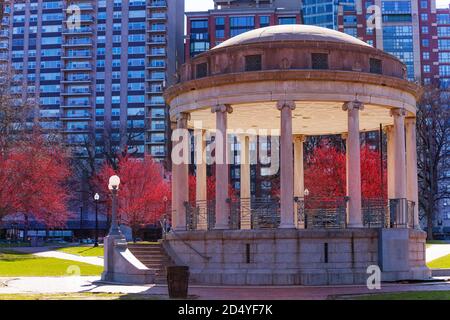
<point x="298" y="257"/>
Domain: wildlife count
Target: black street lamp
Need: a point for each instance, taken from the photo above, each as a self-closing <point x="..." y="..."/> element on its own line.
<point x="96" y="198"/>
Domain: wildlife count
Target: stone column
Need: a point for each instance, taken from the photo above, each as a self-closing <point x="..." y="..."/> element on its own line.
<point x="390" y="162"/>
<point x="299" y="178"/>
<point x="180" y="173"/>
<point x="286" y="165"/>
<point x="245" y="182"/>
<point x="201" y="178"/>
<point x="344" y="137"/>
<point x="411" y="167"/>
<point x="354" y="164"/>
<point x="222" y="174"/>
<point x="399" y="153"/>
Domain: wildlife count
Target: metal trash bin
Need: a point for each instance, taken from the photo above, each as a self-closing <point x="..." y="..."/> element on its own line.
<point x="178" y="281"/>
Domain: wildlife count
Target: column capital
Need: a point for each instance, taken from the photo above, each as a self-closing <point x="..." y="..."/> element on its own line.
<point x="183" y="116"/>
<point x="411" y="120"/>
<point x="398" y="112"/>
<point x="222" y="108"/>
<point x="351" y="105"/>
<point x="286" y="103"/>
<point x="388" y="128"/>
<point x="299" y="138"/>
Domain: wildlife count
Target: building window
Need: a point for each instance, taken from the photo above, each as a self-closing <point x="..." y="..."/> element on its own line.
<point x="201" y="70"/>
<point x="319" y="60"/>
<point x="241" y="24"/>
<point x="253" y="63"/>
<point x="264" y="21"/>
<point x="426" y="68"/>
<point x="287" y="20"/>
<point x="376" y="66"/>
<point x="426" y="55"/>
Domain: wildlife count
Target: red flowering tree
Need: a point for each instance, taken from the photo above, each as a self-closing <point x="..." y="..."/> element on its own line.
<point x="143" y="191"/>
<point x="33" y="178"/>
<point x="325" y="173"/>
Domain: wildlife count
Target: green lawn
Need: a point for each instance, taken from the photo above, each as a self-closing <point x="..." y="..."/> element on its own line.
<point x="419" y="295"/>
<point x="14" y="264"/>
<point x="83" y="251"/>
<point x="440" y="263"/>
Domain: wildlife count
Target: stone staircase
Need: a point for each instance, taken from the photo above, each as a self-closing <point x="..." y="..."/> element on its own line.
<point x="152" y="256"/>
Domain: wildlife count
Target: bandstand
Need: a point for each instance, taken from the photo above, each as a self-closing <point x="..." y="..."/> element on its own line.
<point x="296" y="81"/>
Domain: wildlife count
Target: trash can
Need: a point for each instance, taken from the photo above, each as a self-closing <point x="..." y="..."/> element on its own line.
<point x="178" y="281"/>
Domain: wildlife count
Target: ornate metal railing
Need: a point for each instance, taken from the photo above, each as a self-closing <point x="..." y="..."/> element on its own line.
<point x="200" y="215"/>
<point x="374" y="213"/>
<point x="401" y="212"/>
<point x="322" y="213"/>
<point x="255" y="213"/>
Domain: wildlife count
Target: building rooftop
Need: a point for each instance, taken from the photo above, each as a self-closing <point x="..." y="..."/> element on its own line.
<point x="292" y="32"/>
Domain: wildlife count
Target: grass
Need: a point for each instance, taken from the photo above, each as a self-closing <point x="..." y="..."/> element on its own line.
<point x="80" y="296"/>
<point x="14" y="264"/>
<point x="440" y="263"/>
<point x="417" y="295"/>
<point x="83" y="251"/>
<point x="14" y="244"/>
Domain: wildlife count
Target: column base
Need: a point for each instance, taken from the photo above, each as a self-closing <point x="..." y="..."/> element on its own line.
<point x="221" y="227"/>
<point x="287" y="226"/>
<point x="355" y="225"/>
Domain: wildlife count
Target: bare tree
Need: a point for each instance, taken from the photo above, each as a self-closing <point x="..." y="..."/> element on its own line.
<point x="433" y="130"/>
<point x="16" y="114"/>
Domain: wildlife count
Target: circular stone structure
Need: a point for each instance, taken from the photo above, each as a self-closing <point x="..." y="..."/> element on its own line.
<point x="288" y="72"/>
<point x="295" y="81"/>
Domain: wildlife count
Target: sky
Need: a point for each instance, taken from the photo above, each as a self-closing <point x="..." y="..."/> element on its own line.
<point x="203" y="5"/>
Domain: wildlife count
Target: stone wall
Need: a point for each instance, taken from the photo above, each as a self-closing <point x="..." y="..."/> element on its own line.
<point x="286" y="257"/>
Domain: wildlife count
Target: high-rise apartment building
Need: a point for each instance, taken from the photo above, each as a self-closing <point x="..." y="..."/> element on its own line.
<point x="97" y="69"/>
<point x="229" y="18"/>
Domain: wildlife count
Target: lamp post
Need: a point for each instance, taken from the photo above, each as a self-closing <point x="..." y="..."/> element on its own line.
<point x="114" y="182"/>
<point x="96" y="198"/>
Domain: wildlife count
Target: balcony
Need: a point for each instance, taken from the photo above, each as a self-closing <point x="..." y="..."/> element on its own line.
<point x="87" y="55"/>
<point x="76" y="129"/>
<point x="77" y="80"/>
<point x="82" y="30"/>
<point x="77" y="42"/>
<point x="157" y="16"/>
<point x="157" y="4"/>
<point x="76" y="93"/>
<point x="83" y="6"/>
<point x="86" y="67"/>
<point x="73" y="117"/>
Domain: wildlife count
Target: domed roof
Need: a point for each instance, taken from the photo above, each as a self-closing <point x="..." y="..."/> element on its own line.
<point x="291" y="32"/>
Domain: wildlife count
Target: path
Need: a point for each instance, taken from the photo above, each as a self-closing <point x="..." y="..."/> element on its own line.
<point x="436" y="251"/>
<point x="47" y="252"/>
<point x="48" y="285"/>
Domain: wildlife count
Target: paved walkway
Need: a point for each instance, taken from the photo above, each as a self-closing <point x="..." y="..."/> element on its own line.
<point x="50" y="253"/>
<point x="436" y="251"/>
<point x="50" y="285"/>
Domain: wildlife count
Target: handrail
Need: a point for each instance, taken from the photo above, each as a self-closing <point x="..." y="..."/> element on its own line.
<point x="190" y="246"/>
<point x="164" y="229"/>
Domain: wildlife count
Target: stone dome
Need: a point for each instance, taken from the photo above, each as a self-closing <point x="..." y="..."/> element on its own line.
<point x="291" y="32"/>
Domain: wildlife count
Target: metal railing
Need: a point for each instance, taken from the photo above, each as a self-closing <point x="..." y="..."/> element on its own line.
<point x="374" y="213"/>
<point x="255" y="213"/>
<point x="200" y="215"/>
<point x="401" y="213"/>
<point x="312" y="213"/>
<point x="322" y="213"/>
